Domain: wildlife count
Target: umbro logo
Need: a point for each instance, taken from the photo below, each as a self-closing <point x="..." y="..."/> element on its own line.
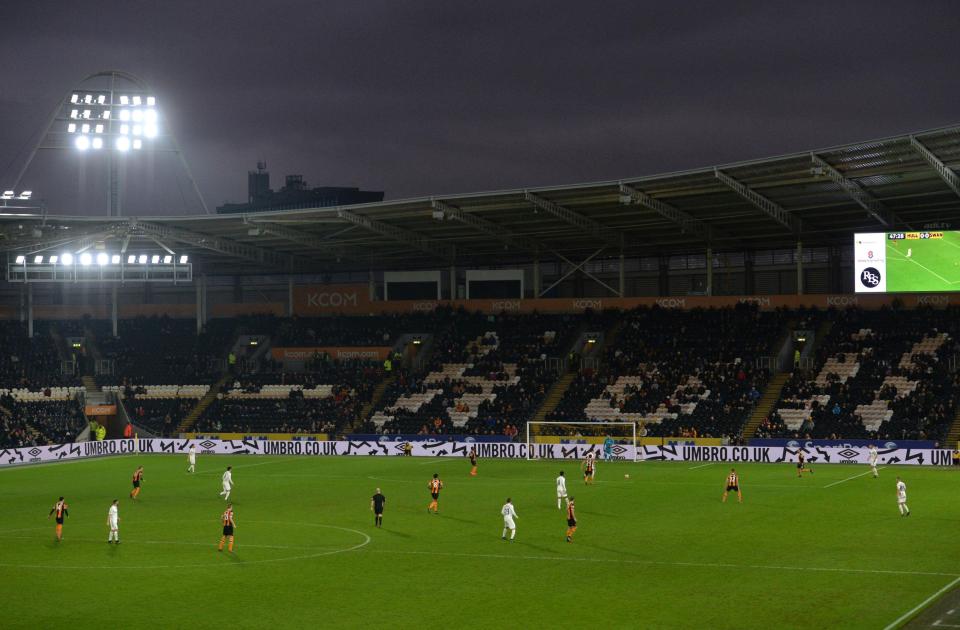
<point x="207" y="444"/>
<point x="848" y="453"/>
<point x="34" y="452"/>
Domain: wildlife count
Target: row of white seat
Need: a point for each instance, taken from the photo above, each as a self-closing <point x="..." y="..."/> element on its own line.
<point x="163" y="391"/>
<point x="56" y="394"/>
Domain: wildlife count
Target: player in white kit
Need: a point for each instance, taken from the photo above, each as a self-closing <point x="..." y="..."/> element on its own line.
<point x="561" y="489"/>
<point x="227" y="484"/>
<point x="873" y="461"/>
<point x="509" y="513"/>
<point x="902" y="498"/>
<point x="192" y="459"/>
<point x="113" y="522"/>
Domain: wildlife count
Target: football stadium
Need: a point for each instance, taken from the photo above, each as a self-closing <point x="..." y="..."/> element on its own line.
<point x="725" y="396"/>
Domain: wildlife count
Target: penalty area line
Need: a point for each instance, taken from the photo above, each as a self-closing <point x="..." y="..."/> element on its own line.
<point x="701" y="466"/>
<point x="913" y="611"/>
<point x="837" y="483"/>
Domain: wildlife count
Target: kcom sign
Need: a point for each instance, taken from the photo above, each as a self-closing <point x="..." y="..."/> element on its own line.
<point x="331" y="298"/>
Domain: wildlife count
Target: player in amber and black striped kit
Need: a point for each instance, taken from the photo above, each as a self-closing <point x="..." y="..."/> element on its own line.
<point x="733" y="485"/>
<point x="60" y="509"/>
<point x="228" y="524"/>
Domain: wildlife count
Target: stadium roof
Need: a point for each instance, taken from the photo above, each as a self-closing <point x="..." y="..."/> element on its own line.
<point x="819" y="197"/>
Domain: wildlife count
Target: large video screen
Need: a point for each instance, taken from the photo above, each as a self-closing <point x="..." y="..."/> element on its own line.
<point x="907" y="262"/>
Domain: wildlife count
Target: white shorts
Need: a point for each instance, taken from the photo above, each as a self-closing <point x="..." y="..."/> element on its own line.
<point x="873" y="464"/>
<point x="114" y="526"/>
<point x="901" y="499"/>
<point x="227" y="487"/>
<point x="192" y="460"/>
<point x="561" y="494"/>
<point x="508" y="523"/>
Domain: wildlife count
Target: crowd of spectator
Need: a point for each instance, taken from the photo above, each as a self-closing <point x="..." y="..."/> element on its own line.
<point x="39" y="423"/>
<point x="29" y="362"/>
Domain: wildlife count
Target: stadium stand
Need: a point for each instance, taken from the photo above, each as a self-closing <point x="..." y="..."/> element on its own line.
<point x="879" y="374"/>
<point x="31" y="363"/>
<point x="34" y="418"/>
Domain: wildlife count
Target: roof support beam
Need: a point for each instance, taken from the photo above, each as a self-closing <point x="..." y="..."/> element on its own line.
<point x="948" y="176"/>
<point x="873" y="207"/>
<point x="217" y="244"/>
<point x="588" y="225"/>
<point x="398" y="234"/>
<point x="687" y="222"/>
<point x="317" y="246"/>
<point x="768" y="207"/>
<point x="489" y="228"/>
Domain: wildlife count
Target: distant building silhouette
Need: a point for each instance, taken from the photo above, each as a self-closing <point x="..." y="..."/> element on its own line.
<point x="294" y="194"/>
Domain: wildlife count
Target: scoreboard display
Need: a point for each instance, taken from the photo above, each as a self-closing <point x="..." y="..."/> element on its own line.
<point x="907" y="262"/>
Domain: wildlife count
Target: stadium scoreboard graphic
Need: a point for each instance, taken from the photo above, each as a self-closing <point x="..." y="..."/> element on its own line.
<point x="907" y="262"/>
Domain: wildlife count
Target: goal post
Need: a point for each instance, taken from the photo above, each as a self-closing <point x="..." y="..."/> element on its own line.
<point x="622" y="433"/>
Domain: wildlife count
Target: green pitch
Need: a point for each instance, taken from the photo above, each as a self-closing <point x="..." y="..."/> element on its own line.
<point x="656" y="550"/>
<point x="933" y="264"/>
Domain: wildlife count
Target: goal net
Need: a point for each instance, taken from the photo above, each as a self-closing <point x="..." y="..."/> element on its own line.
<point x="617" y="440"/>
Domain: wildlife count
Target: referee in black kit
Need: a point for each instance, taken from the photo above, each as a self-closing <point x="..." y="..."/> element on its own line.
<point x="376" y="504"/>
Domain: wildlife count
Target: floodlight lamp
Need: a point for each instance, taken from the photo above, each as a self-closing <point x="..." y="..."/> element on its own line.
<point x="86" y="259"/>
<point x="74" y="113"/>
<point x="21" y="260"/>
<point x="37" y="260"/>
<point x="138" y="130"/>
<point x="184" y="259"/>
<point x="124" y="114"/>
<point x="97" y="143"/>
<point x="155" y="259"/>
<point x="150" y="115"/>
<point x="85" y="128"/>
<point x="150" y="131"/>
<point x="143" y="259"/>
<point x="125" y="130"/>
<point x="138" y="144"/>
<point x="167" y="259"/>
<point x="102" y="259"/>
<point x="72" y="128"/>
<point x="26" y="194"/>
<point x="67" y="259"/>
<point x="7" y="194"/>
<point x="151" y="101"/>
<point x="123" y="143"/>
<point x="74" y="98"/>
<point x="136" y="100"/>
<point x="101" y="99"/>
<point x="87" y="113"/>
<point x="54" y="259"/>
<point x="106" y="114"/>
<point x="99" y="128"/>
<point x="82" y="143"/>
<point x="115" y="259"/>
<point x="137" y="115"/>
<point x="124" y="99"/>
<point x="88" y="98"/>
<point x="132" y="258"/>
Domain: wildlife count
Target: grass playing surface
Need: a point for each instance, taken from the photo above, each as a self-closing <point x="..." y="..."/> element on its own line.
<point x="933" y="264"/>
<point x="657" y="550"/>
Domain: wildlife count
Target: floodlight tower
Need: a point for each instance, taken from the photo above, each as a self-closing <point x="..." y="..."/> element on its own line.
<point x="115" y="114"/>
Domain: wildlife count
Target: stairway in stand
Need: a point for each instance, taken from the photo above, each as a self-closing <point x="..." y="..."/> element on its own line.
<point x="953" y="435"/>
<point x="378" y="393"/>
<point x="766" y="403"/>
<point x="195" y="413"/>
<point x="554" y="396"/>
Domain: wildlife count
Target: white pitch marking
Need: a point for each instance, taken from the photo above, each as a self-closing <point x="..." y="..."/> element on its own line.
<point x="701" y="466"/>
<point x="835" y="483"/>
<point x="922" y="605"/>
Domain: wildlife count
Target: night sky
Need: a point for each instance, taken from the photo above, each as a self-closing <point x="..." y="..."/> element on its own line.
<point x="446" y="97"/>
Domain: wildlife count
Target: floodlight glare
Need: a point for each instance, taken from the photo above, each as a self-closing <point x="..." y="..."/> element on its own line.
<point x="138" y="144"/>
<point x="7" y="194"/>
<point x="167" y="259"/>
<point x="125" y="130"/>
<point x="124" y="114"/>
<point x="132" y="258"/>
<point x="138" y="130"/>
<point x="136" y="100"/>
<point x="137" y="115"/>
<point x="97" y="143"/>
<point x="72" y="128"/>
<point x="82" y="143"/>
<point x="151" y="101"/>
<point x="143" y="259"/>
<point x="37" y="260"/>
<point x="21" y="260"/>
<point x="150" y="131"/>
<point x="74" y="113"/>
<point x="115" y="259"/>
<point x="183" y="259"/>
<point x="124" y="99"/>
<point x="74" y="98"/>
<point x="123" y="143"/>
<point x="150" y="115"/>
<point x="102" y="259"/>
<point x="86" y="259"/>
<point x="85" y="128"/>
<point x="155" y="259"/>
<point x="67" y="259"/>
<point x="53" y="260"/>
<point x="99" y="129"/>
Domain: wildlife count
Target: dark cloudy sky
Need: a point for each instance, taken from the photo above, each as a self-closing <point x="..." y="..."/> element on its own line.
<point x="420" y="98"/>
